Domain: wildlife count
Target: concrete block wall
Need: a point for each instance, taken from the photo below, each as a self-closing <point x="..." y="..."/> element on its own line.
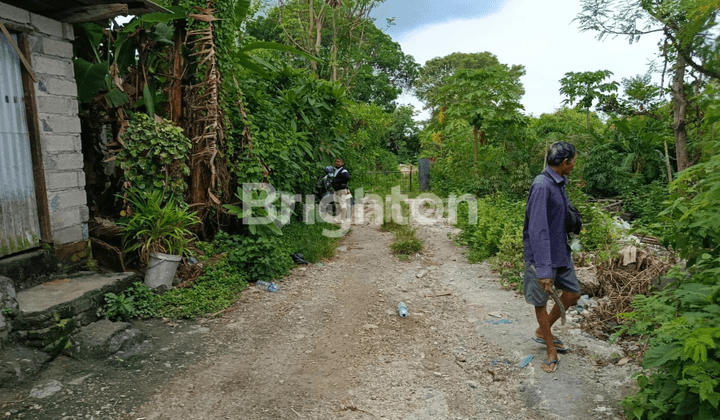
<point x="56" y="94"/>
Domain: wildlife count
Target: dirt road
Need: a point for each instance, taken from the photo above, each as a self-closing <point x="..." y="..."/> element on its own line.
<point x="330" y="345"/>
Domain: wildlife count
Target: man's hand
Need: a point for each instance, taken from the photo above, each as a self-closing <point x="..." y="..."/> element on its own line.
<point x="545" y="284"/>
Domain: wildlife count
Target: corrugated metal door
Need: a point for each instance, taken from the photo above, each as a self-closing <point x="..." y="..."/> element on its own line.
<point x="19" y="226"/>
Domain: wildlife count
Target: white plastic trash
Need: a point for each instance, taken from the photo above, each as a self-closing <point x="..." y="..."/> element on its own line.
<point x="161" y="270"/>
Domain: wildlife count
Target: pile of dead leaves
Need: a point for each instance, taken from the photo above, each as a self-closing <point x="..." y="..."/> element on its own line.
<point x="633" y="272"/>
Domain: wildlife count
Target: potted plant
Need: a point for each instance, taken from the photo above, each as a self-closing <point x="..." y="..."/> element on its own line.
<point x="160" y="233"/>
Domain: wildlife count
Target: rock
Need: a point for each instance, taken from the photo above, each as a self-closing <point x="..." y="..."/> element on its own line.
<point x="8" y="306"/>
<point x="589" y="284"/>
<point x="342" y="249"/>
<point x="20" y="364"/>
<point x="101" y="339"/>
<point x="421" y="274"/>
<point x="46" y="390"/>
<point x="474" y="384"/>
<point x="623" y="361"/>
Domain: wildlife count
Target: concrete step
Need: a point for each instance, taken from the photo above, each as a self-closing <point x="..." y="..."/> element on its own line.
<point x="50" y="312"/>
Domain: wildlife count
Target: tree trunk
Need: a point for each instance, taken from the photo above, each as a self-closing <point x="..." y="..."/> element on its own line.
<point x="311" y="20"/>
<point x="679" y="110"/>
<point x="587" y="119"/>
<point x="175" y="92"/>
<point x="667" y="163"/>
<point x="334" y="46"/>
<point x="318" y="31"/>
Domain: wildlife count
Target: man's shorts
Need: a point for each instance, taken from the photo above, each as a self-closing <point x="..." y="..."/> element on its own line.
<point x="342" y="201"/>
<point x="564" y="278"/>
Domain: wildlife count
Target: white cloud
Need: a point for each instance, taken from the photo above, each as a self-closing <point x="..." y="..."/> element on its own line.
<point x="539" y="35"/>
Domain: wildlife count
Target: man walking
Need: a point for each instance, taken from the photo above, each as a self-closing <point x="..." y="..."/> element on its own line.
<point x="547" y="255"/>
<point x="341" y="177"/>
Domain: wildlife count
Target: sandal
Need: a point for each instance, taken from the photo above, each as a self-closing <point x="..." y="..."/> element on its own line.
<point x="553" y="363"/>
<point x="559" y="345"/>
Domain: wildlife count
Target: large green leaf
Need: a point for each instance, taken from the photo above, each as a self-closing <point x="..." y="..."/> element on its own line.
<point x="94" y="33"/>
<point x="116" y="97"/>
<point x="149" y="101"/>
<point x="661" y="354"/>
<point x="163" y="33"/>
<point x="267" y="45"/>
<point x="247" y="62"/>
<point x="178" y="12"/>
<point x="90" y="78"/>
<point x="240" y="10"/>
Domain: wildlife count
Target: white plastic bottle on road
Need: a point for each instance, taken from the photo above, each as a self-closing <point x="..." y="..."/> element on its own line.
<point x="268" y="287"/>
<point x="402" y="310"/>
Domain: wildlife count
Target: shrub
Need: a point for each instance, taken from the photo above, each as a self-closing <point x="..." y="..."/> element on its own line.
<point x="153" y="157"/>
<point x="157" y="227"/>
<point x="137" y="300"/>
<point x="259" y="258"/>
<point x="682" y="325"/>
<point x="496" y="215"/>
<point x="645" y="204"/>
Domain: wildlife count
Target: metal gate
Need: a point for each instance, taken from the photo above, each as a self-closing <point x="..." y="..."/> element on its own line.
<point x="19" y="225"/>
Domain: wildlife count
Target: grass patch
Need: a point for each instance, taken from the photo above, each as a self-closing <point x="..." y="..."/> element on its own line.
<point x="309" y="240"/>
<point x="406" y="242"/>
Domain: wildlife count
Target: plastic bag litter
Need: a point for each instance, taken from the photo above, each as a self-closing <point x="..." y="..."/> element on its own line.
<point x="299" y="258"/>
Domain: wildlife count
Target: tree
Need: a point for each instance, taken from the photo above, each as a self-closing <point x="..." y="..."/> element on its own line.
<point x="351" y="49"/>
<point x="586" y="88"/>
<point x="484" y="98"/>
<point x="688" y="41"/>
<point x="437" y="71"/>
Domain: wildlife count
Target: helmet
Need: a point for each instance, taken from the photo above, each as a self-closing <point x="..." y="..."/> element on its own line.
<point x="328" y="169"/>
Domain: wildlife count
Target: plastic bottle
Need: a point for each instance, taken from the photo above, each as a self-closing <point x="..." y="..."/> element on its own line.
<point x="268" y="287"/>
<point x="402" y="310"/>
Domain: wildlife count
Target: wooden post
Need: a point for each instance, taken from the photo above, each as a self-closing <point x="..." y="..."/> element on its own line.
<point x="33" y="125"/>
<point x="410" y="189"/>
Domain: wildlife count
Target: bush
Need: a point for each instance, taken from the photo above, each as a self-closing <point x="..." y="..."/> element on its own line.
<point x="259" y="258"/>
<point x="157" y="227"/>
<point x="509" y="260"/>
<point x="137" y="300"/>
<point x="153" y="157"/>
<point x="645" y="204"/>
<point x="604" y="172"/>
<point x="682" y="325"/>
<point x="496" y="215"/>
<point x="680" y="368"/>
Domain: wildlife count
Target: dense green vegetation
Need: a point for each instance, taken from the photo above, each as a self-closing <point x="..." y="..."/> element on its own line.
<point x="286" y="91"/>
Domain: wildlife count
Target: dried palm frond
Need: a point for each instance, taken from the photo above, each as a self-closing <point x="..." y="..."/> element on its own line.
<point x="205" y="122"/>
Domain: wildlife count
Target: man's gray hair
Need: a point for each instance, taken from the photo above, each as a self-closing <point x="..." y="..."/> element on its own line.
<point x="559" y="151"/>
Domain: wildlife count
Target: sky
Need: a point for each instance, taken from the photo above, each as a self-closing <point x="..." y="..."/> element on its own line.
<point x="539" y="35"/>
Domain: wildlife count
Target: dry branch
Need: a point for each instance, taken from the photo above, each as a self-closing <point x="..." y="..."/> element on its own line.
<point x="620" y="283"/>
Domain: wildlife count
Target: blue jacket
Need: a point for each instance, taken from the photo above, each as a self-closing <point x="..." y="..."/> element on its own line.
<point x="544" y="237"/>
<point x="340" y="179"/>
